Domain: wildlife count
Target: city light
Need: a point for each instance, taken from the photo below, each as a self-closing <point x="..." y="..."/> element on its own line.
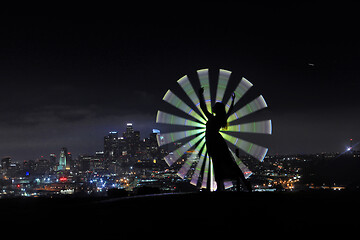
<point x="63" y="179"/>
<point x="128" y="162"/>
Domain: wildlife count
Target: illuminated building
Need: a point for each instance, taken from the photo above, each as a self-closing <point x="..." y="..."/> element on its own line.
<point x="64" y="160"/>
<point x="123" y="148"/>
<point x="127" y="137"/>
<point x="111" y="146"/>
<point x="129" y="128"/>
<point x="132" y="139"/>
<point x="91" y="162"/>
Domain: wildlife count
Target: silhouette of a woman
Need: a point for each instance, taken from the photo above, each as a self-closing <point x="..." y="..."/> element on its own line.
<point x="225" y="167"/>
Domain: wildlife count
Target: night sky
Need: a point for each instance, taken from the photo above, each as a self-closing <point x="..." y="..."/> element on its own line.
<point x="68" y="82"/>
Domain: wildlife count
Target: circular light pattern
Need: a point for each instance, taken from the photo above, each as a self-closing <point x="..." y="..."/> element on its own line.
<point x="198" y="163"/>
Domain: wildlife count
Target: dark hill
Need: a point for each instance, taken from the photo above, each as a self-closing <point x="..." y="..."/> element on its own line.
<point x="342" y="170"/>
<point x="248" y="213"/>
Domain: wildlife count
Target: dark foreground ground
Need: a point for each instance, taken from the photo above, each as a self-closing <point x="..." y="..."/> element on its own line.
<point x="252" y="214"/>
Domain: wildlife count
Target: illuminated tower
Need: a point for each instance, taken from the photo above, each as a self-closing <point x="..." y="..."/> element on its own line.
<point x="62" y="160"/>
<point x="69" y="162"/>
<point x="129" y="131"/>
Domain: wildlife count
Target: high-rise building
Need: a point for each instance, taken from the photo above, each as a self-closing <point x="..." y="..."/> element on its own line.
<point x="69" y="161"/>
<point x="64" y="160"/>
<point x="92" y="162"/>
<point x="123" y="147"/>
<point x="132" y="139"/>
<point x="153" y="142"/>
<point x="129" y="131"/>
<point x="111" y="146"/>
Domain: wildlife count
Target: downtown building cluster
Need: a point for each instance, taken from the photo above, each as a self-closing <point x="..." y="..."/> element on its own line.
<point x="126" y="162"/>
<point x="131" y="165"/>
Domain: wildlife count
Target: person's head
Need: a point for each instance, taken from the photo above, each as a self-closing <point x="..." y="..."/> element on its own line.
<point x="220" y="113"/>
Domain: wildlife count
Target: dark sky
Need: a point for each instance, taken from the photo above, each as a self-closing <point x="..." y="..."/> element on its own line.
<point x="69" y="82"/>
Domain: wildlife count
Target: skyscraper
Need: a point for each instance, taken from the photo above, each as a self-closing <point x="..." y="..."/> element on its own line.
<point x="132" y="139"/>
<point x="129" y="131"/>
<point x="64" y="161"/>
<point x="111" y="146"/>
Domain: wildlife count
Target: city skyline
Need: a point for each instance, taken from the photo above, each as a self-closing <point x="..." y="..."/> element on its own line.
<point x="129" y="165"/>
<point x="66" y="83"/>
<point x="75" y="153"/>
<point x="350" y="145"/>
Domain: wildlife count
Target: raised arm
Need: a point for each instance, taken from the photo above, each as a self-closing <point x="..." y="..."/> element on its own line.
<point x="202" y="103"/>
<point x="231" y="106"/>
